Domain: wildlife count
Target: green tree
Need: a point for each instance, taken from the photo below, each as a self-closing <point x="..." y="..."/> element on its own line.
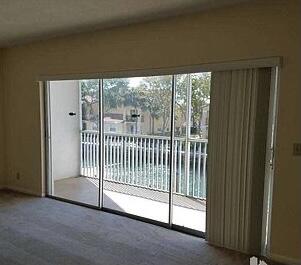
<point x="181" y="104"/>
<point x="115" y="93"/>
<point x="90" y="101"/>
<point x="200" y="98"/>
<point x="154" y="96"/>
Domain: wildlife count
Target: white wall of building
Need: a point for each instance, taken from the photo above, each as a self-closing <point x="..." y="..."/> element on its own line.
<point x="65" y="129"/>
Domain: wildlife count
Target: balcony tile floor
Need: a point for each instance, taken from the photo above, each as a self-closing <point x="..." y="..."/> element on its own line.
<point x="152" y="204"/>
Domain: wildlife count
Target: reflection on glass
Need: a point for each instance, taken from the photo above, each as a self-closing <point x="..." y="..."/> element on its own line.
<point x="74" y="107"/>
<point x="137" y="139"/>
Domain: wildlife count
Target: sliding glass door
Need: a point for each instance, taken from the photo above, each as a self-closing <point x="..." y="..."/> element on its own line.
<point x="190" y="150"/>
<point x="73" y="140"/>
<point x="137" y="128"/>
<point x="121" y="143"/>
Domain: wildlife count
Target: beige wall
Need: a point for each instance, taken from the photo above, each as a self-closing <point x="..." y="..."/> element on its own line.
<point x="259" y="29"/>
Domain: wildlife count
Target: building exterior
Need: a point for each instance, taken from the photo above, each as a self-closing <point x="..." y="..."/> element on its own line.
<point x="128" y="120"/>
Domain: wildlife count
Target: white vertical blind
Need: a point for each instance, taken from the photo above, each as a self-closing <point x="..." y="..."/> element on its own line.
<point x="237" y="135"/>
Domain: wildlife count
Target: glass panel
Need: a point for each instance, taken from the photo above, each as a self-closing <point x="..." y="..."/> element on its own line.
<point x="190" y="155"/>
<point x="200" y="101"/>
<point x="136" y="151"/>
<point x="181" y="105"/>
<point x="74" y="108"/>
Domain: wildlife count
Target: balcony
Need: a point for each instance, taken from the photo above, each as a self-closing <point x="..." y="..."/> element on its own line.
<point x="136" y="176"/>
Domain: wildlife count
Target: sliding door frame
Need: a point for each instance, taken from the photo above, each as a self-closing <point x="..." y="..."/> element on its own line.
<point x="183" y="69"/>
<point x="47" y="148"/>
<point x="271" y="62"/>
<point x="101" y="144"/>
<point x="172" y="151"/>
<point x="169" y="223"/>
<point x="48" y="145"/>
<point x="270" y="161"/>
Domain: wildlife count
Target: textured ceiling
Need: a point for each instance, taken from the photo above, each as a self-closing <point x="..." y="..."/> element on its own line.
<point x="27" y="20"/>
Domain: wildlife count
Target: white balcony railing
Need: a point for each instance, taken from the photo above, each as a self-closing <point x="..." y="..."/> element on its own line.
<point x="144" y="161"/>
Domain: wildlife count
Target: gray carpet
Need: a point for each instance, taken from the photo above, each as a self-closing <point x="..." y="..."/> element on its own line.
<point x="44" y="231"/>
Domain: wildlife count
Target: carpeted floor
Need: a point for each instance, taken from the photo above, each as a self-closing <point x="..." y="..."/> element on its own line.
<point x="44" y="231"/>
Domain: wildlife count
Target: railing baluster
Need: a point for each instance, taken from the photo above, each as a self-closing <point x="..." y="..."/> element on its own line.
<point x="81" y="170"/>
<point x="89" y="155"/>
<point x="97" y="154"/>
<point x="121" y="159"/>
<point x="83" y="166"/>
<point x="94" y="154"/>
<point x="111" y="157"/>
<point x="106" y="172"/>
<point x="148" y="163"/>
<point x="124" y="161"/>
<point x="104" y="155"/>
<point x="107" y="158"/>
<point x="132" y="180"/>
<point x="136" y="161"/>
<point x="86" y="155"/>
<point x="144" y="163"/>
<point x="118" y="159"/>
<point x="199" y="169"/>
<point x="157" y="164"/>
<point x="87" y="158"/>
<point x="204" y="170"/>
<point x="188" y="170"/>
<point x="153" y="163"/>
<point x="166" y="165"/>
<point x="161" y="164"/>
<point x="193" y="169"/>
<point x="175" y="166"/>
<point x="129" y="161"/>
<point x="140" y="163"/>
<point x="180" y="168"/>
<point x="114" y="159"/>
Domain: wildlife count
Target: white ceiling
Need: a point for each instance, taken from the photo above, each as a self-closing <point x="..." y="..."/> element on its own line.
<point x="27" y="20"/>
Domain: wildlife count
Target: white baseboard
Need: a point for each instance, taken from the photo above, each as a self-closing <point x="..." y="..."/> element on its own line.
<point x="22" y="190"/>
<point x="285" y="260"/>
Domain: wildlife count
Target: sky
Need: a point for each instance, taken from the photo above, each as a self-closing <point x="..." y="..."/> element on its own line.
<point x="134" y="81"/>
